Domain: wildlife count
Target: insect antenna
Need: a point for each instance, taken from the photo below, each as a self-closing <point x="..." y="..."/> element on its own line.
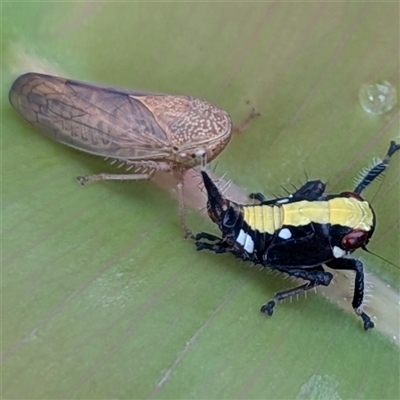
<point x="377" y="170"/>
<point x="380" y="257"/>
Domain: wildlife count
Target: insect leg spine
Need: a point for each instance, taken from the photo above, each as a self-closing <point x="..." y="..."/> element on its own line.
<point x="366" y="170"/>
<point x="376" y="170"/>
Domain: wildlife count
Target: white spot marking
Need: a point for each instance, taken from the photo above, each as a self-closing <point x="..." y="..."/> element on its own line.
<point x="283" y="201"/>
<point x="338" y="252"/>
<point x="246" y="241"/>
<point x="241" y="238"/>
<point x="285" y="233"/>
<point x="249" y="244"/>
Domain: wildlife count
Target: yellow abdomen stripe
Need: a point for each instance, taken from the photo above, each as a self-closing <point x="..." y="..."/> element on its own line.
<point x="264" y="218"/>
<point x="344" y="211"/>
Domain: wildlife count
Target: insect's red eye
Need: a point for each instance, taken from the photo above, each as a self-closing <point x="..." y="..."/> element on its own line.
<point x="352" y="194"/>
<point x="355" y="239"/>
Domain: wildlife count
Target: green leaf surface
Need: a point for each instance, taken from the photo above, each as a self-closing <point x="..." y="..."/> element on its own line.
<point x="101" y="295"/>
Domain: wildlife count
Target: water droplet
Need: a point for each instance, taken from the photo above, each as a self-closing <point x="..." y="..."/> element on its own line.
<point x="377" y="98"/>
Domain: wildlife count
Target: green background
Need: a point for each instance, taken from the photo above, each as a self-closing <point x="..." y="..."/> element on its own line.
<point x="101" y="296"/>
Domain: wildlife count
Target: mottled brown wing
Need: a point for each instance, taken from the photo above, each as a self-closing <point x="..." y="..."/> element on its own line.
<point x="98" y="120"/>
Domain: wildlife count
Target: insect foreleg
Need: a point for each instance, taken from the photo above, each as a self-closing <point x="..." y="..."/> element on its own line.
<point x="208" y="236"/>
<point x="358" y="296"/>
<point x="316" y="276"/>
<point x="217" y="247"/>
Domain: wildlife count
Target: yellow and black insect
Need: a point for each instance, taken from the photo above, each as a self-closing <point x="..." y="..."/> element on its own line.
<point x="299" y="233"/>
<point x="145" y="131"/>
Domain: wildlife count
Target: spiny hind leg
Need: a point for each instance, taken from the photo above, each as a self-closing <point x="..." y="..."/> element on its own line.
<point x="371" y="174"/>
<point x="84" y="179"/>
<point x="352" y="264"/>
<point x="144" y="171"/>
<point x="316" y="276"/>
